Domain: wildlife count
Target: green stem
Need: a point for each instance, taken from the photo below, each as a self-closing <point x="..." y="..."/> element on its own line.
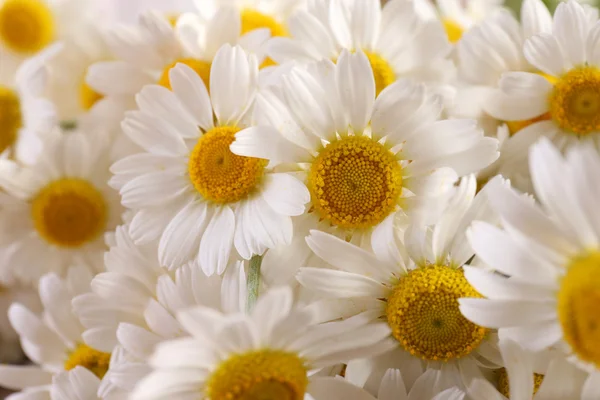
<point x="253" y="281"/>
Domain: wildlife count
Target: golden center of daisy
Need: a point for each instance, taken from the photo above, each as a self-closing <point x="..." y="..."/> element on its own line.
<point x="26" y="26"/>
<point x="453" y="30"/>
<point x="87" y="96"/>
<point x="382" y="71"/>
<point x="94" y="360"/>
<point x="425" y="318"/>
<point x="578" y="300"/>
<point x="504" y="388"/>
<point x="259" y="375"/>
<point x="69" y="212"/>
<point x="253" y="19"/>
<point x="218" y="174"/>
<point x="575" y="101"/>
<point x="11" y="119"/>
<point x="355" y="182"/>
<point x="202" y="68"/>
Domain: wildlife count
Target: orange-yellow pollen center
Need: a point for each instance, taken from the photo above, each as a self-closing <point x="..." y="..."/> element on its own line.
<point x="11" y="118"/>
<point x="202" y="68"/>
<point x="503" y="384"/>
<point x="253" y="19"/>
<point x="453" y="30"/>
<point x="26" y="26"/>
<point x="94" y="360"/>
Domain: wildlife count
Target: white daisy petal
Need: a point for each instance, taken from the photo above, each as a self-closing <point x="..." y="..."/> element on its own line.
<point x="216" y="242"/>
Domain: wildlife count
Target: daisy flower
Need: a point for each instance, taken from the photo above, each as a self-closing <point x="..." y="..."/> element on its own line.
<point x="53" y="339"/>
<point x="29" y="26"/>
<point x="563" y="94"/>
<point x="365" y="159"/>
<point x="77" y="384"/>
<point x="189" y="190"/>
<point x="270" y="353"/>
<point x="561" y="380"/>
<point x="397" y="42"/>
<point x="392" y="387"/>
<point x="24" y="114"/>
<point x="415" y="290"/>
<point x="549" y="255"/>
<point x="56" y="211"/>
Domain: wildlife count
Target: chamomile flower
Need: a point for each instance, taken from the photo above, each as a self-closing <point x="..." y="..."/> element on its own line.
<point x="77" y="384"/>
<point x="397" y="42"/>
<point x="52" y="340"/>
<point x="25" y="114"/>
<point x="415" y="290"/>
<point x="563" y="95"/>
<point x="549" y="254"/>
<point x="56" y="211"/>
<point x="392" y="387"/>
<point x="270" y="353"/>
<point x="188" y="189"/>
<point x="365" y="160"/>
<point x="520" y="379"/>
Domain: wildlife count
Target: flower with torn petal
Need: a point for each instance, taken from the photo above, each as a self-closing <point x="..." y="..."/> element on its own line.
<point x="53" y="341"/>
<point x="133" y="304"/>
<point x="548" y="255"/>
<point x="366" y="160"/>
<point x="561" y="380"/>
<point x="562" y="97"/>
<point x="271" y="353"/>
<point x="416" y="291"/>
<point x="392" y="387"/>
<point x="398" y="43"/>
<point x="189" y="190"/>
<point x="56" y="211"/>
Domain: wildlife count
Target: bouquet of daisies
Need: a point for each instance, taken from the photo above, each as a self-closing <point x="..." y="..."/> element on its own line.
<point x="299" y="200"/>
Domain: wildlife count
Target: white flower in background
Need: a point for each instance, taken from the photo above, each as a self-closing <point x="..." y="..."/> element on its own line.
<point x="549" y="255"/>
<point x="134" y="303"/>
<point x="392" y="387"/>
<point x="56" y="211"/>
<point x="416" y="291"/>
<point x="24" y="114"/>
<point x="365" y="160"/>
<point x="563" y="95"/>
<point x="458" y="16"/>
<point x="29" y="26"/>
<point x="270" y="353"/>
<point x="52" y="340"/>
<point x="188" y="188"/>
<point x="560" y="380"/>
<point x="397" y="42"/>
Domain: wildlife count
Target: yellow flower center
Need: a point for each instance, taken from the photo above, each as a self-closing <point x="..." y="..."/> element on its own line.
<point x="516" y="126"/>
<point x="88" y="96"/>
<point x="424" y="315"/>
<point x="218" y="174"/>
<point x="26" y="26"/>
<point x="69" y="212"/>
<point x="202" y="68"/>
<point x="253" y="19"/>
<point x="382" y="71"/>
<point x="578" y="300"/>
<point x="94" y="360"/>
<point x="453" y="30"/>
<point x="11" y="119"/>
<point x="575" y="101"/>
<point x="172" y="18"/>
<point x="355" y="182"/>
<point x="259" y="375"/>
<point x="505" y="389"/>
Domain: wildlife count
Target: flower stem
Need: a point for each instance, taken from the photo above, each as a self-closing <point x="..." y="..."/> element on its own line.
<point x="253" y="281"/>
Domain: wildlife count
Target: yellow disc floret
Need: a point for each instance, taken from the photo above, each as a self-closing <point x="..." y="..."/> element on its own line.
<point x="355" y="182"/>
<point x="11" y="119"/>
<point x="516" y="126"/>
<point x="69" y="212"/>
<point x="504" y="388"/>
<point x="453" y="30"/>
<point x="26" y="26"/>
<point x="575" y="101"/>
<point x="253" y="19"/>
<point x="425" y="318"/>
<point x="202" y="68"/>
<point x="87" y="96"/>
<point x="218" y="174"/>
<point x="578" y="300"/>
<point x="259" y="375"/>
<point x="94" y="360"/>
<point x="382" y="71"/>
